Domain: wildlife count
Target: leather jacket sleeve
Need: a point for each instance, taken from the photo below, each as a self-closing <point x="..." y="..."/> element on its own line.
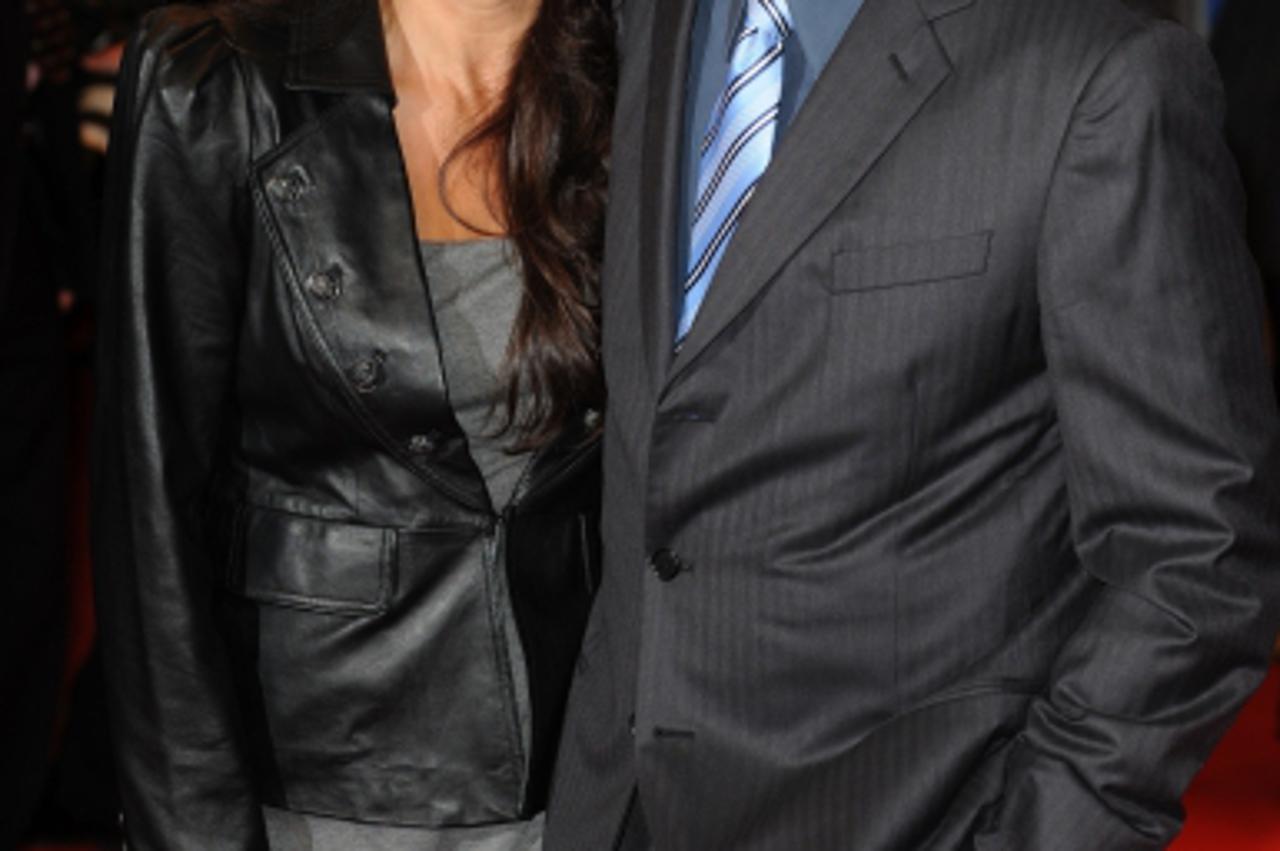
<point x="173" y="265"/>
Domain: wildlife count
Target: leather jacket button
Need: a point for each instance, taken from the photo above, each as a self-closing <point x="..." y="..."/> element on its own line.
<point x="290" y="185"/>
<point x="325" y="285"/>
<point x="666" y="564"/>
<point x="368" y="374"/>
<point x="423" y="444"/>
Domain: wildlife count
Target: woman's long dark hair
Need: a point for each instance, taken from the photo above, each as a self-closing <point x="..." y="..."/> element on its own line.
<point x="552" y="127"/>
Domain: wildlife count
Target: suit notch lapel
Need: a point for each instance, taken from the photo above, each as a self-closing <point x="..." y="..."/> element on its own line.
<point x="860" y="104"/>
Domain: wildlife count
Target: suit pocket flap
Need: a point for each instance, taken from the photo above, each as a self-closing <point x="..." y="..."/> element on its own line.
<point x="312" y="563"/>
<point x="912" y="263"/>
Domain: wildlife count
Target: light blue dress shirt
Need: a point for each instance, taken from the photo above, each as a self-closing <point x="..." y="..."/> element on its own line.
<point x="819" y="27"/>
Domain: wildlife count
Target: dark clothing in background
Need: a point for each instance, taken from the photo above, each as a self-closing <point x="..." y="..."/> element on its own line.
<point x="1246" y="44"/>
<point x="32" y="447"/>
<point x="13" y="56"/>
<point x="49" y="212"/>
<point x="33" y="434"/>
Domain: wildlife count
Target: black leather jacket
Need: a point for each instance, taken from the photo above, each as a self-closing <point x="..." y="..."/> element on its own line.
<point x="302" y="585"/>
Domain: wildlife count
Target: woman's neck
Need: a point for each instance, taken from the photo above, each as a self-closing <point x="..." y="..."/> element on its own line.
<point x="451" y="62"/>
<point x="467" y="46"/>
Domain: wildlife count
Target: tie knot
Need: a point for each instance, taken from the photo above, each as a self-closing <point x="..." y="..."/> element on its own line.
<point x="768" y="18"/>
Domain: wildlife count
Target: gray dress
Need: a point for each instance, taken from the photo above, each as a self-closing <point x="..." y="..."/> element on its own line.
<point x="475" y="292"/>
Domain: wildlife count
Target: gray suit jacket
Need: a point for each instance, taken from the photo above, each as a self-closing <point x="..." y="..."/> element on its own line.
<point x="953" y="523"/>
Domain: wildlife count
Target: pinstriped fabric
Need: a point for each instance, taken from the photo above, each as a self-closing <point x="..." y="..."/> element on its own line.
<point x="737" y="146"/>
<point x="969" y="454"/>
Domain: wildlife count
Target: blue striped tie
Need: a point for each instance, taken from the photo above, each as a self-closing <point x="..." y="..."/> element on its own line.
<point x="737" y="146"/>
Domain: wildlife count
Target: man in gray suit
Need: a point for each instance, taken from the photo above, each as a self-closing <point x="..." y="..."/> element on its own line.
<point x="941" y="500"/>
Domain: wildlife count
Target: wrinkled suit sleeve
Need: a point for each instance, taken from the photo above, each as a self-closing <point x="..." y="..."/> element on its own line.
<point x="1152" y="322"/>
<point x="173" y="272"/>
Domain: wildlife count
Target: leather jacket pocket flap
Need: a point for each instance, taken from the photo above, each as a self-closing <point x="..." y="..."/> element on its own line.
<point x="911" y="263"/>
<point x="312" y="563"/>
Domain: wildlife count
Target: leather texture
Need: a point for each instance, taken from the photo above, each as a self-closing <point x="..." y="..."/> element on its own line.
<point x="952" y="525"/>
<point x="302" y="585"/>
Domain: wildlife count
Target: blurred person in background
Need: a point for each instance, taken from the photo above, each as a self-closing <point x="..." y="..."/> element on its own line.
<point x="35" y="264"/>
<point x="59" y="61"/>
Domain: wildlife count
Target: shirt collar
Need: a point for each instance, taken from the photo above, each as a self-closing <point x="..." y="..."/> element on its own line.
<point x="737" y="8"/>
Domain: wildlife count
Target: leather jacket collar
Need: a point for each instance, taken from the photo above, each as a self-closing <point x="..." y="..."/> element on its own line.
<point x="354" y="60"/>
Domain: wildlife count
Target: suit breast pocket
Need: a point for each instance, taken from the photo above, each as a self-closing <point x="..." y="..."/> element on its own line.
<point x="904" y="264"/>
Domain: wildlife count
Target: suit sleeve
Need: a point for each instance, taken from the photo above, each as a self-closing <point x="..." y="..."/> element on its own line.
<point x="1152" y="318"/>
<point x="173" y="269"/>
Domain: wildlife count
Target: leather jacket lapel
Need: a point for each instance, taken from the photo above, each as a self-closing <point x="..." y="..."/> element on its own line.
<point x="325" y="58"/>
<point x="358" y="286"/>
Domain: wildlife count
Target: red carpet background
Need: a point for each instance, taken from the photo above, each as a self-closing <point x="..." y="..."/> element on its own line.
<point x="1234" y="805"/>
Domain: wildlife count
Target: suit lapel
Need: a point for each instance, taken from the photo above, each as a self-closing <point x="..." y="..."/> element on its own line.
<point x="888" y="65"/>
<point x="660" y="170"/>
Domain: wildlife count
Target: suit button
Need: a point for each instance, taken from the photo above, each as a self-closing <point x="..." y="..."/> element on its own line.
<point x="290" y="185"/>
<point x="666" y="564"/>
<point x="368" y="374"/>
<point x="325" y="285"/>
<point x="631" y="724"/>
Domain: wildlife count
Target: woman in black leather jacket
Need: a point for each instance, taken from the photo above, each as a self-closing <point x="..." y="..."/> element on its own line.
<point x="346" y="475"/>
